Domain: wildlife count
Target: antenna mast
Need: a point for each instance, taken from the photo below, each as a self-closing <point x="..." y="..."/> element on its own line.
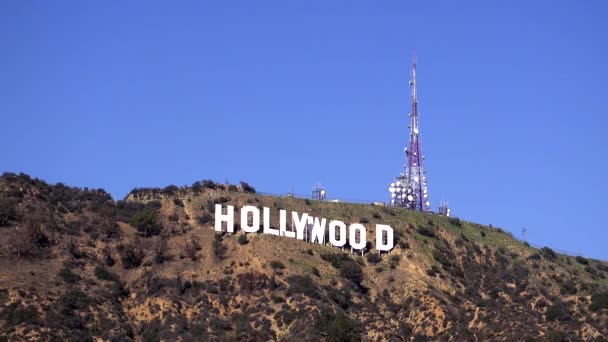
<point x="410" y="188"/>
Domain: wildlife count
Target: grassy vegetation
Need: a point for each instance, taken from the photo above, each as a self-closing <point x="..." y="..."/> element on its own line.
<point x="444" y="274"/>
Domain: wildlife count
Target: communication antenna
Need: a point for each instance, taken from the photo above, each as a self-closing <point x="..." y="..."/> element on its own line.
<point x="290" y="192"/>
<point x="444" y="209"/>
<point x="318" y="192"/>
<point x="524" y="230"/>
<point x="410" y="190"/>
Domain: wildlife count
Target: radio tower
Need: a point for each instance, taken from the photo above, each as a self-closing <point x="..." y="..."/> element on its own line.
<point x="410" y="188"/>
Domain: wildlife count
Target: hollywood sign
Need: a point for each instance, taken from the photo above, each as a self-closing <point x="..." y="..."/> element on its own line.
<point x="304" y="227"/>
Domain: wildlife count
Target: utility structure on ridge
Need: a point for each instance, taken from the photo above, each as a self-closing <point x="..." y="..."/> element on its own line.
<point x="409" y="190"/>
<point x="318" y="192"/>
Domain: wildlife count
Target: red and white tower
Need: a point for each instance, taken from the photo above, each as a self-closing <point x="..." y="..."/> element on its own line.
<point x="410" y="188"/>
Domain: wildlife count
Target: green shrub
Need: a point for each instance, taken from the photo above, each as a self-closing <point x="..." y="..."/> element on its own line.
<point x="132" y="256"/>
<point x="252" y="280"/>
<point x="102" y="273"/>
<point x="196" y="187"/>
<point x="170" y="190"/>
<point x="455" y="221"/>
<point x="74" y="300"/>
<point x="303" y="285"/>
<point x="426" y="231"/>
<point x="405" y="329"/>
<point x="247" y="188"/>
<point x="219" y="249"/>
<point x="109" y="230"/>
<point x="558" y="312"/>
<point x="223" y="199"/>
<point x="126" y="210"/>
<point x="178" y="202"/>
<point x="276" y="299"/>
<point x="277" y="265"/>
<point x="7" y="212"/>
<point x="352" y="271"/>
<point x="340" y="297"/>
<point x="548" y="253"/>
<point x="434" y="270"/>
<point x="336" y="259"/>
<point x="599" y="301"/>
<point x="338" y="327"/>
<point x="107" y="257"/>
<point x="243" y="239"/>
<point x="68" y="276"/>
<point x="363" y="220"/>
<point x="74" y="251"/>
<point x="568" y="287"/>
<point x="146" y="223"/>
<point x="191" y="247"/>
<point x="204" y="218"/>
<point x="14" y="314"/>
<point x="209" y="184"/>
<point x="441" y="258"/>
<point x="372" y="257"/>
<point x="582" y="260"/>
<point x="394" y="260"/>
<point x="160" y="251"/>
<point x="29" y="239"/>
<point x="602" y="267"/>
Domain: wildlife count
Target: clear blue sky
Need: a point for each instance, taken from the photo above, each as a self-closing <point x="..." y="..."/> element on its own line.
<point x="513" y="101"/>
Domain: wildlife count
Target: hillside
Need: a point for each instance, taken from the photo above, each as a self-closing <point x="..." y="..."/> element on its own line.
<point x="77" y="265"/>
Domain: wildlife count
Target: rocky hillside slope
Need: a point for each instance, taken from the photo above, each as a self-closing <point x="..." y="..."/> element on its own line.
<point x="77" y="265"/>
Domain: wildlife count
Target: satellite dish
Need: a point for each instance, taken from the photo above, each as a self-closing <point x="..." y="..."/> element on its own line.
<point x="410" y="198"/>
<point x="416" y="179"/>
<point x="415" y="130"/>
<point x="428" y="203"/>
<point x="393" y="195"/>
<point x="391" y="190"/>
<point x="425" y="195"/>
<point x="398" y="183"/>
<point x="392" y="185"/>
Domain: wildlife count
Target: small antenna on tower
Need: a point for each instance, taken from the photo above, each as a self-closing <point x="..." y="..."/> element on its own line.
<point x="318" y="192"/>
<point x="444" y="209"/>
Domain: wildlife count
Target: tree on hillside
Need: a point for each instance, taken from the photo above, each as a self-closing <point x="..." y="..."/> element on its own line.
<point x="247" y="188"/>
<point x="7" y="212"/>
<point x="146" y="222"/>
